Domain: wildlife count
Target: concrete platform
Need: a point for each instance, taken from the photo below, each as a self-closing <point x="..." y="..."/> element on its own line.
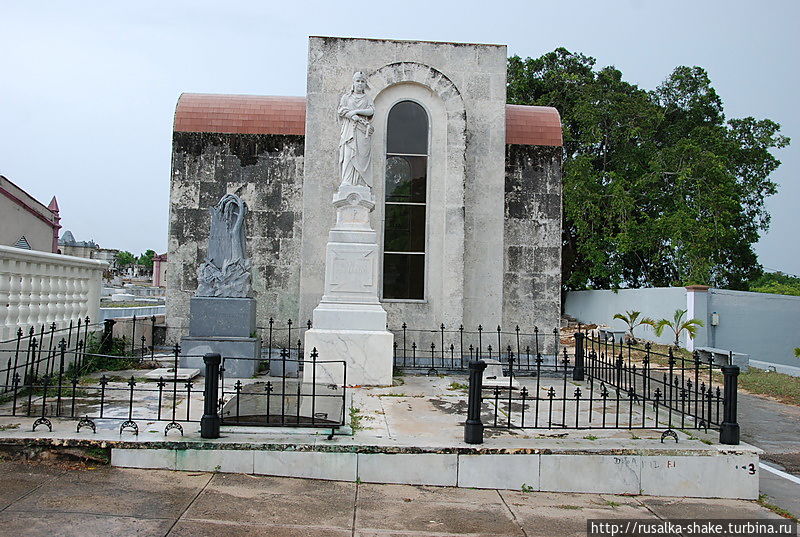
<point x="413" y="434"/>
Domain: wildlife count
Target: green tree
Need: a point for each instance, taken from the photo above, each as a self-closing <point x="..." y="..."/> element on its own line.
<point x="678" y="325"/>
<point x="146" y="259"/>
<point x="125" y="258"/>
<point x="658" y="188"/>
<point x="633" y="319"/>
<point x="776" y="283"/>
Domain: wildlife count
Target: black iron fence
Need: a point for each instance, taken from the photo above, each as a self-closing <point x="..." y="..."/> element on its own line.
<point x="75" y="377"/>
<point x="606" y="386"/>
<point x="317" y="398"/>
<point x="277" y="334"/>
<point x="90" y="386"/>
<point x="451" y="349"/>
<point x="34" y="353"/>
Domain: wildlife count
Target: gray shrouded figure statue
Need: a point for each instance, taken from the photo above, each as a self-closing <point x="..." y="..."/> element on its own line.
<point x="226" y="270"/>
<point x="355" y="110"/>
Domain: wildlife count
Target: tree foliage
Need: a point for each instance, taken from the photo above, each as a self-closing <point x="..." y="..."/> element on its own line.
<point x="659" y="189"/>
<point x="677" y="325"/>
<point x="633" y="319"/>
<point x="146" y="259"/>
<point x="125" y="258"/>
<point x="776" y="283"/>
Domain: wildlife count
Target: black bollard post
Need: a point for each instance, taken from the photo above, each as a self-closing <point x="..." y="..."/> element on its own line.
<point x="577" y="370"/>
<point x="209" y="423"/>
<point x="729" y="430"/>
<point x="108" y="334"/>
<point x="473" y="427"/>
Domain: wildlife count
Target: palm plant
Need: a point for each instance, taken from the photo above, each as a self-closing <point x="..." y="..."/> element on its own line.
<point x="677" y="325"/>
<point x="633" y="319"/>
<point x="797" y="351"/>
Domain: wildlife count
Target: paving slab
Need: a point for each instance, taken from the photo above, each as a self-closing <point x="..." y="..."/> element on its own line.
<point x="369" y="492"/>
<point x="113" y="491"/>
<point x="79" y="525"/>
<point x="436" y="517"/>
<point x="208" y="528"/>
<point x="20" y="478"/>
<point x="275" y="501"/>
<point x="89" y="502"/>
<point x="672" y="508"/>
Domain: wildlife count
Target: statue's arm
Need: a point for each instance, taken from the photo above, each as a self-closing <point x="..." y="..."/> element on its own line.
<point x="366" y="112"/>
<point x="343" y="110"/>
<point x="240" y="216"/>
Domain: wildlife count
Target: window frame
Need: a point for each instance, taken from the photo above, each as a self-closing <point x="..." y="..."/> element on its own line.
<point x="426" y="253"/>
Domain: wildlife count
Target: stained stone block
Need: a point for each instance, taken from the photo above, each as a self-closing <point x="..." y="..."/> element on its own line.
<point x="222" y="317"/>
<point x="247" y="349"/>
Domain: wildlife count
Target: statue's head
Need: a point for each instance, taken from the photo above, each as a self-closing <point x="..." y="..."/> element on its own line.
<point x="359" y="82"/>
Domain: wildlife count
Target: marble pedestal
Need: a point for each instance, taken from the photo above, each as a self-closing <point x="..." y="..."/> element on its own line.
<point x="367" y="356"/>
<point x="225" y="326"/>
<point x="349" y="324"/>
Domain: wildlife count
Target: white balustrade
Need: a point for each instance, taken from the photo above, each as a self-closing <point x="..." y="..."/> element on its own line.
<point x="39" y="288"/>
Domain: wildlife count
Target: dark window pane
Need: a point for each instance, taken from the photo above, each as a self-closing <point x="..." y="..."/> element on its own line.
<point x="407" y="129"/>
<point x="404" y="276"/>
<point x="404" y="230"/>
<point x="406" y="178"/>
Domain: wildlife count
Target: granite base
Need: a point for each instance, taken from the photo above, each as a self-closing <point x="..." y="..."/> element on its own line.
<point x="240" y="355"/>
<point x="222" y="317"/>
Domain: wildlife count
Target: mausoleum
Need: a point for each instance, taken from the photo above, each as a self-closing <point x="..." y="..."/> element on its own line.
<point x="466" y="188"/>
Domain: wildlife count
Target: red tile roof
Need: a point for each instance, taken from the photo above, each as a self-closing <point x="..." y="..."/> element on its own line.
<point x="533" y="125"/>
<point x="253" y="114"/>
<point x="241" y="114"/>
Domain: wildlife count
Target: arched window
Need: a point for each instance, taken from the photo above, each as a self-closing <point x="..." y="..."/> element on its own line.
<point x="405" y="207"/>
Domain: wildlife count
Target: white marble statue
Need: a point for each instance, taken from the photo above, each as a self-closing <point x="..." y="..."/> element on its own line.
<point x="226" y="270"/>
<point x="355" y="110"/>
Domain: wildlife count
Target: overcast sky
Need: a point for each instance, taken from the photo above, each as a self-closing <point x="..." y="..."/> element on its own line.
<point x="88" y="89"/>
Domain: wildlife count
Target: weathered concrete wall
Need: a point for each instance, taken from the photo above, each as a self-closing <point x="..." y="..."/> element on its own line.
<point x="266" y="171"/>
<point x="532" y="238"/>
<point x="469" y="83"/>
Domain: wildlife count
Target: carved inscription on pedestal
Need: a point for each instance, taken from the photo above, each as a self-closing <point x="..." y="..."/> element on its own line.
<point x="352" y="272"/>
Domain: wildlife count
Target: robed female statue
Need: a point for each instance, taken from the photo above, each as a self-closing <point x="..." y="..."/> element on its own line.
<point x="355" y="110"/>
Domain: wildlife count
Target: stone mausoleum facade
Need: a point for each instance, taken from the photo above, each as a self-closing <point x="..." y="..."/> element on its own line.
<point x="468" y="188"/>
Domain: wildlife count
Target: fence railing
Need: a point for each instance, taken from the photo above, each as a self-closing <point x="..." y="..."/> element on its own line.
<point x="307" y="401"/>
<point x="450" y="349"/>
<point x="86" y="386"/>
<point x="77" y="373"/>
<point x="604" y="386"/>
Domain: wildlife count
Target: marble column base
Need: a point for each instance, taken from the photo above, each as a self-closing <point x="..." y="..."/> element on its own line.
<point x="368" y="357"/>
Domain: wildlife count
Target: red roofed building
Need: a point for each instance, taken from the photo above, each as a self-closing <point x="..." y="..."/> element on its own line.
<point x="26" y="222"/>
<point x="491" y="219"/>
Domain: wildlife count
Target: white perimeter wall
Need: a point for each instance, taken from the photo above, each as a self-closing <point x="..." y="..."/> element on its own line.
<point x="600" y="306"/>
<point x="763" y="325"/>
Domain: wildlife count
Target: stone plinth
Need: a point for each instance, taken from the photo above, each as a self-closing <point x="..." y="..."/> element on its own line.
<point x="367" y="355"/>
<point x="240" y="354"/>
<point x="224" y="325"/>
<point x="350" y="322"/>
<point x="224" y="317"/>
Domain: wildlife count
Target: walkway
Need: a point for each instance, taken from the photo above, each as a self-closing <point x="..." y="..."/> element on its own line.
<point x="42" y="499"/>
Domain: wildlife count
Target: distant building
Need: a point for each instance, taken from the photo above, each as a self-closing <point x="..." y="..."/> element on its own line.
<point x="26" y="222"/>
<point x="69" y="246"/>
<point x="109" y="255"/>
<point x="160" y="270"/>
